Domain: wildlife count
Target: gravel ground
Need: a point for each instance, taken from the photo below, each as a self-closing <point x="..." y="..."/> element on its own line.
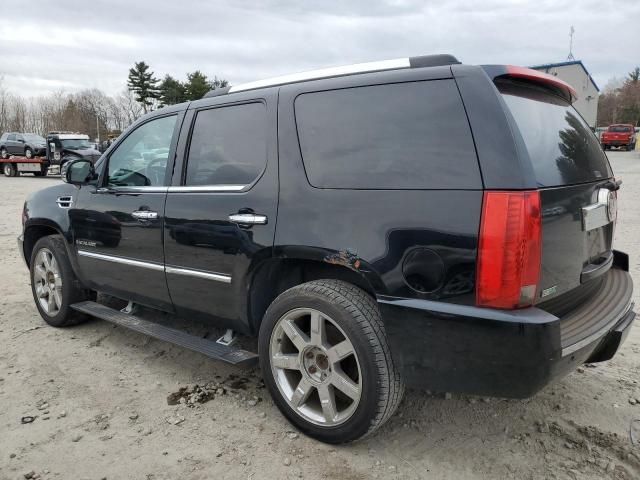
<point x="99" y="397"/>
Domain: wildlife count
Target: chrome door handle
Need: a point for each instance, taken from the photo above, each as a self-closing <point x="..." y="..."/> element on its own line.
<point x="248" y="219"/>
<point x="144" y="215"/>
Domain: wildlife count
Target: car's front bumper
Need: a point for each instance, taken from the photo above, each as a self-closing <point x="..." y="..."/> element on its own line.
<point x="459" y="348"/>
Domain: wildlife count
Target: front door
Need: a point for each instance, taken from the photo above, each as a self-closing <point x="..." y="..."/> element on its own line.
<point x="221" y="208"/>
<point x="118" y="224"/>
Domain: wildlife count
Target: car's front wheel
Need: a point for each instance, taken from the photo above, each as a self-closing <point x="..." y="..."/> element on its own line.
<point x="326" y="362"/>
<point x="54" y="285"/>
<point x="3" y="153"/>
<point x="28" y="152"/>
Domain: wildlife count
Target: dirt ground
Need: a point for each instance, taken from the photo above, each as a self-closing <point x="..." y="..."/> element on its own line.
<point x="99" y="397"/>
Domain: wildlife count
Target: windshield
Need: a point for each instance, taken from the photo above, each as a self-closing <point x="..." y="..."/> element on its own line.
<point x="32" y="137"/>
<point x="75" y="144"/>
<point x="619" y="128"/>
<point x="561" y="146"/>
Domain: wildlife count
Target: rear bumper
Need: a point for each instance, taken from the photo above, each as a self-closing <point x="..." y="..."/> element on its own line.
<point x="616" y="142"/>
<point x="459" y="348"/>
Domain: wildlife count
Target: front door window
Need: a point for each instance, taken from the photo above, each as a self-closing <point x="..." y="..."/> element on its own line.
<point x="141" y="159"/>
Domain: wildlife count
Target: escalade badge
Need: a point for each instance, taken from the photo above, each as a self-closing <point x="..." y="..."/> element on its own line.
<point x="86" y="243"/>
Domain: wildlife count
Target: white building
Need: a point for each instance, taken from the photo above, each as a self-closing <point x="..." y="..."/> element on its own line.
<point x="575" y="74"/>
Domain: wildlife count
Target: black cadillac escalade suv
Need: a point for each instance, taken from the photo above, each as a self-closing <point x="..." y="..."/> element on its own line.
<point x="415" y="221"/>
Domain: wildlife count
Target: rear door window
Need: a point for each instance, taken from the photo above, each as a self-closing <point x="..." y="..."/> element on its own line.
<point x="561" y="146"/>
<point x="411" y="135"/>
<point x="228" y="145"/>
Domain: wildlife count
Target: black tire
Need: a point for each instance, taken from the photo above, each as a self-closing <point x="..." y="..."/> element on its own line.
<point x="28" y="152"/>
<point x="9" y="170"/>
<point x="357" y="314"/>
<point x="3" y="153"/>
<point x="72" y="291"/>
<point x="41" y="173"/>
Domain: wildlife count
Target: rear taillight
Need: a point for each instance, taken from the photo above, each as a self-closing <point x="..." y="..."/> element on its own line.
<point x="509" y="250"/>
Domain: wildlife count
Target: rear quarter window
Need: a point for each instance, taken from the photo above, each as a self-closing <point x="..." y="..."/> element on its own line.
<point x="398" y="136"/>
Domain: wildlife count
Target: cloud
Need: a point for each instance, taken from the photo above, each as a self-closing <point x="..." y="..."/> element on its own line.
<point x="47" y="46"/>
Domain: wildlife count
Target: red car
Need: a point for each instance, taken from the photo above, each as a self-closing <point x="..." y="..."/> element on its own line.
<point x="619" y="135"/>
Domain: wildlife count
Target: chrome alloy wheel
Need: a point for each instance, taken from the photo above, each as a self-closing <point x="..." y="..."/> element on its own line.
<point x="315" y="367"/>
<point x="47" y="282"/>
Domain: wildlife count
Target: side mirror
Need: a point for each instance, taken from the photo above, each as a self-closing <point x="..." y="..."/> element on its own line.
<point x="78" y="172"/>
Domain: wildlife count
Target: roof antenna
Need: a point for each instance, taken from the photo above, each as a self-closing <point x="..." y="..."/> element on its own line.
<point x="571" y="32"/>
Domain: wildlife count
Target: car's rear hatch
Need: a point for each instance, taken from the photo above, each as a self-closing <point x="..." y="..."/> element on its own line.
<point x="577" y="201"/>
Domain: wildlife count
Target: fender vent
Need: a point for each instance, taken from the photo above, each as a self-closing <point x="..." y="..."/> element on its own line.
<point x="65" y="201"/>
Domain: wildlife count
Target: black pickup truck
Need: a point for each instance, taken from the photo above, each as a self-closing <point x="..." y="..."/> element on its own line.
<point x="414" y="221"/>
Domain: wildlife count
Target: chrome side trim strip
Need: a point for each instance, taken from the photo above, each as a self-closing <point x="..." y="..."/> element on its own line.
<point x="207" y="188"/>
<point x="132" y="189"/>
<point x="174" y="189"/>
<point x="122" y="260"/>
<point x="218" y="277"/>
<point x="325" y="73"/>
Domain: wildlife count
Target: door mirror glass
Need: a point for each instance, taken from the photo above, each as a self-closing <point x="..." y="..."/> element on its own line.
<point x="78" y="172"/>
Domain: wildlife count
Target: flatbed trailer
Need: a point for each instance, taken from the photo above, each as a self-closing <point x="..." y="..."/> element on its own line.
<point x="15" y="165"/>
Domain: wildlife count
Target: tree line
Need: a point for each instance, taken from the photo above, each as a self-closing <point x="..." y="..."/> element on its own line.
<point x="90" y="111"/>
<point x="620" y="101"/>
<point x="150" y="92"/>
<point x="95" y="113"/>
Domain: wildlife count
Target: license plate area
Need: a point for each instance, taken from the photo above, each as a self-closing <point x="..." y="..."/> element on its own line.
<point x="601" y="213"/>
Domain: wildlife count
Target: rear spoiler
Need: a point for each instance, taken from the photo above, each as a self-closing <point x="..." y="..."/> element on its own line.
<point x="529" y="75"/>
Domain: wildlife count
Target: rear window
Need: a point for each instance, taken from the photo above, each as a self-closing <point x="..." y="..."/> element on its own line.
<point x="560" y="144"/>
<point x="398" y="136"/>
<point x="620" y="129"/>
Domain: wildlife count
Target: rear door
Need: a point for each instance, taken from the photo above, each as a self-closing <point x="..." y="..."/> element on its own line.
<point x="221" y="209"/>
<point x="576" y="187"/>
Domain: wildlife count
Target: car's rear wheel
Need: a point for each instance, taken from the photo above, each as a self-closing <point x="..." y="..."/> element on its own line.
<point x="3" y="153"/>
<point x="28" y="152"/>
<point x="326" y="362"/>
<point x="54" y="285"/>
<point x="9" y="170"/>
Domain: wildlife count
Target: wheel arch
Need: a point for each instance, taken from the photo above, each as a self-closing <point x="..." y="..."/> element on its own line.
<point x="35" y="230"/>
<point x="273" y="276"/>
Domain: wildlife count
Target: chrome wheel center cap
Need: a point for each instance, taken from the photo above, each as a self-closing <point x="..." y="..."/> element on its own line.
<point x="316" y="364"/>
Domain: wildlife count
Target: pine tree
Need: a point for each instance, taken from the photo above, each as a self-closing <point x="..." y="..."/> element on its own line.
<point x="172" y="91"/>
<point x="143" y="84"/>
<point x="197" y="85"/>
<point x="219" y="83"/>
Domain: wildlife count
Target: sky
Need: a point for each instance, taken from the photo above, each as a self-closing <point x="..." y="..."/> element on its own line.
<point x="68" y="45"/>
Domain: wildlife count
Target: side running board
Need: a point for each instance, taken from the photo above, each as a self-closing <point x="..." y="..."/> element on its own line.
<point x="210" y="348"/>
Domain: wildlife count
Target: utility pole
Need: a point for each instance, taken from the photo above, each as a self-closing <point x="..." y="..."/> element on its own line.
<point x="97" y="126"/>
<point x="571" y="32"/>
